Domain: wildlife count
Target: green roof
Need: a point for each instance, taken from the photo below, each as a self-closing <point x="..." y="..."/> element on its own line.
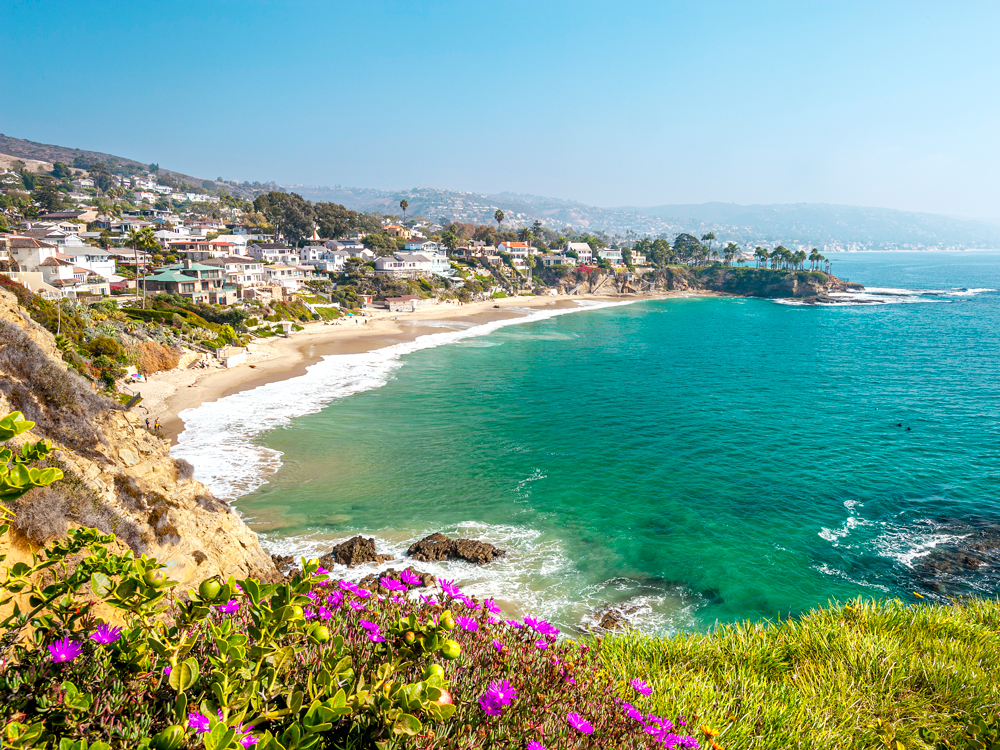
<point x="166" y="275"/>
<point x="192" y="267"/>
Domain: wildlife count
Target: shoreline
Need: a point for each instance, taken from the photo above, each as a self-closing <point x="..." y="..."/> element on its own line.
<point x="166" y="394"/>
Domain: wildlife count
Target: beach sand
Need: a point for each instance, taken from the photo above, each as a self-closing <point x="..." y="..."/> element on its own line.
<point x="166" y="394"/>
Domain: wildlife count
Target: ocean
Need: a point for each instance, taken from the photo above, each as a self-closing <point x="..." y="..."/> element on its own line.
<point x="694" y="460"/>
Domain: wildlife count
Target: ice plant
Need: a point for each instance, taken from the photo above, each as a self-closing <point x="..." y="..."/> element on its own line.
<point x="498" y="646"/>
<point x="491" y="606"/>
<point x="641" y="687"/>
<point x="491" y="705"/>
<point x="579" y="723"/>
<point x="541" y="644"/>
<point x="467" y="623"/>
<point x="64" y="650"/>
<point x="449" y="588"/>
<point x="392" y="585"/>
<point x="324" y="614"/>
<point x="535" y="745"/>
<point x="106" y="634"/>
<point x="503" y="690"/>
<point x="230" y="607"/>
<point x="356" y="606"/>
<point x="198" y="722"/>
<point x="408" y="578"/>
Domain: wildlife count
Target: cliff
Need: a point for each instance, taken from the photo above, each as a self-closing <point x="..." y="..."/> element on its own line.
<point x="119" y="477"/>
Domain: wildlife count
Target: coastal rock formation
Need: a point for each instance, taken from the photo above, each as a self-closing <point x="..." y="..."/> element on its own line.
<point x="978" y="551"/>
<point x="438" y="547"/>
<point x="355" y="551"/>
<point x="119" y="477"/>
<point x="285" y="565"/>
<point x="372" y="581"/>
<point x="613" y="617"/>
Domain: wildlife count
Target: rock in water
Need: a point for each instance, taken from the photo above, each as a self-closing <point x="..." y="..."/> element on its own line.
<point x="438" y="547"/>
<point x="613" y="617"/>
<point x="355" y="551"/>
<point x="285" y="564"/>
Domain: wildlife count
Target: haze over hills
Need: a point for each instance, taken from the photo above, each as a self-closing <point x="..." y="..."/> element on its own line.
<point x="827" y="226"/>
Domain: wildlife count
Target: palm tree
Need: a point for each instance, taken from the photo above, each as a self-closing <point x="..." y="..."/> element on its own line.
<point x="141" y="239"/>
<point x="404" y="204"/>
<point x="761" y="255"/>
<point x="814" y="257"/>
<point x="499" y="217"/>
<point x="730" y="252"/>
<point x="709" y="238"/>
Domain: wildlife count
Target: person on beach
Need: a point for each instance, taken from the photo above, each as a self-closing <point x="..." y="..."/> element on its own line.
<point x="147" y="423"/>
<point x="156" y="424"/>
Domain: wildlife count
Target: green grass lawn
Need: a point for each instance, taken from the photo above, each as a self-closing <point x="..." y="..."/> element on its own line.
<point x="862" y="675"/>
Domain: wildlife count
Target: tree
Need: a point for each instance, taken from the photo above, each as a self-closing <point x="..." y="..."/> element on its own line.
<point x="290" y="214"/>
<point x="101" y="175"/>
<point x="708" y="239"/>
<point x="335" y="220"/>
<point x="61" y="171"/>
<point x="525" y="235"/>
<point x="731" y="251"/>
<point x="761" y="255"/>
<point x="141" y="239"/>
<point x="687" y="247"/>
<point x="404" y="204"/>
<point x="154" y="167"/>
<point x="47" y="195"/>
<point x="498" y="216"/>
<point x="450" y="240"/>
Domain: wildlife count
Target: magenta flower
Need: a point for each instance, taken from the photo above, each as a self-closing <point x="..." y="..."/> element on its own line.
<point x="356" y="606"/>
<point x="490" y="705"/>
<point x="321" y="571"/>
<point x="311" y="595"/>
<point x="408" y="578"/>
<point x="249" y="740"/>
<point x="467" y="623"/>
<point x="230" y="607"/>
<point x="641" y="687"/>
<point x="579" y="723"/>
<point x="167" y="670"/>
<point x="369" y="625"/>
<point x="498" y="646"/>
<point x="308" y="614"/>
<point x="514" y="624"/>
<point x="449" y="588"/>
<point x="361" y="593"/>
<point x="491" y="606"/>
<point x="376" y="637"/>
<point x="633" y="713"/>
<point x="428" y="599"/>
<point x="392" y="585"/>
<point x="468" y="601"/>
<point x="504" y="691"/>
<point x="198" y="722"/>
<point x="348" y="586"/>
<point x="324" y="613"/>
<point x="64" y="650"/>
<point x="335" y="599"/>
<point x="534" y="745"/>
<point x="106" y="634"/>
<point x="541" y="644"/>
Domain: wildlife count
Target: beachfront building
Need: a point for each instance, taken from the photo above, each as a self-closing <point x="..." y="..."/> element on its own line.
<point x="583" y="252"/>
<point x="517" y="249"/>
<point x="637" y="259"/>
<point x="406" y="303"/>
<point x="394" y="230"/>
<point x="196" y="281"/>
<point x="242" y="272"/>
<point x="612" y="255"/>
<point x="403" y="265"/>
<point x="423" y="246"/>
<point x="285" y="275"/>
<point x="557" y="260"/>
<point x="93" y="259"/>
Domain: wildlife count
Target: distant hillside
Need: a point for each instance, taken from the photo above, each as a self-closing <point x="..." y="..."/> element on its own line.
<point x="46" y="152"/>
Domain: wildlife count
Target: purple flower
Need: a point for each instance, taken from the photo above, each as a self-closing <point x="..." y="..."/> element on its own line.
<point x="335" y="599"/>
<point x="167" y="670"/>
<point x="534" y="745"/>
<point x="229" y="607"/>
<point x="376" y="637"/>
<point x="392" y="585"/>
<point x="468" y="601"/>
<point x="321" y="571"/>
<point x="498" y="646"/>
<point x="324" y="613"/>
<point x="311" y="595"/>
<point x="449" y="587"/>
<point x="428" y="599"/>
<point x="249" y="740"/>
<point x="503" y="690"/>
<point x="362" y="593"/>
<point x="308" y="614"/>
<point x="467" y="623"/>
<point x="106" y="634"/>
<point x="541" y="644"/>
<point x="514" y="624"/>
<point x="491" y="705"/>
<point x="198" y="722"/>
<point x="579" y="723"/>
<point x="356" y="606"/>
<point x="348" y="586"/>
<point x="641" y="687"/>
<point x="491" y="606"/>
<point x="64" y="650"/>
<point x="369" y="625"/>
<point x="408" y="578"/>
<point x="633" y="713"/>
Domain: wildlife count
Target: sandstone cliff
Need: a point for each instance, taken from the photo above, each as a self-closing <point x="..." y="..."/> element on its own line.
<point x="119" y="477"/>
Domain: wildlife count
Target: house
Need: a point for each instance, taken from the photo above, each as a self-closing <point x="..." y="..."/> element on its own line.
<point x="557" y="260"/>
<point x="394" y="230"/>
<point x="353" y="247"/>
<point x="82" y="216"/>
<point x="271" y="252"/>
<point x="199" y="250"/>
<point x="198" y="282"/>
<point x="56" y="235"/>
<point x="69" y="279"/>
<point x="517" y="249"/>
<point x="583" y="252"/>
<point x="406" y="303"/>
<point x="313" y="253"/>
<point x="29" y="253"/>
<point x="404" y="265"/>
<point x="288" y="276"/>
<point x="241" y="272"/>
<point x="612" y="255"/>
<point x="423" y="246"/>
<point x="93" y="259"/>
<point x="637" y="259"/>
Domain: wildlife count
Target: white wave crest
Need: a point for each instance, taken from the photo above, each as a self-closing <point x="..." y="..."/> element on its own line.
<point x="218" y="435"/>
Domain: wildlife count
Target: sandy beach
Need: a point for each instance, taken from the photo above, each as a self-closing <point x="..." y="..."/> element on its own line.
<point x="166" y="394"/>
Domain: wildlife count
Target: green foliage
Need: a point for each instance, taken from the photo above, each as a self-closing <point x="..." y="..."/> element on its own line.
<point x="16" y="479"/>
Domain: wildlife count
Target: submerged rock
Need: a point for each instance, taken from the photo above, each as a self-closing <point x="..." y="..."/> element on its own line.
<point x="355" y="551"/>
<point x="437" y="547"/>
<point x="613" y="617"/>
<point x="372" y="581"/>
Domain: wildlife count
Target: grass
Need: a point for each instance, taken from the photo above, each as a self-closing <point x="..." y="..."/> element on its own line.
<point x="826" y="680"/>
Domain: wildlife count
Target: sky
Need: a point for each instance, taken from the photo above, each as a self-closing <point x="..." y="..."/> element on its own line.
<point x="891" y="104"/>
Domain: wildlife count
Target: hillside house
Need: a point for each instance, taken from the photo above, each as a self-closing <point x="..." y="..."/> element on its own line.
<point x="197" y="282"/>
<point x="583" y="252"/>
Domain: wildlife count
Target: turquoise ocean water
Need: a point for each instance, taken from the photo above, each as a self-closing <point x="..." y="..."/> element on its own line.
<point x="696" y="459"/>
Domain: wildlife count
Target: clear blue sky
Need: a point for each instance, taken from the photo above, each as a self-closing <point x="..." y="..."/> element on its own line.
<point x="892" y="104"/>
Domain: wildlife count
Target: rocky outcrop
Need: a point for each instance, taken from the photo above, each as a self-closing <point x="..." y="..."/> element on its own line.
<point x="613" y="617"/>
<point x="355" y="551"/>
<point x="119" y="477"/>
<point x="771" y="284"/>
<point x="438" y="547"/>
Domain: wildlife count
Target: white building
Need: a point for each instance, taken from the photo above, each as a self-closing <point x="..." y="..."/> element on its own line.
<point x="288" y="276"/>
<point x="583" y="252"/>
<point x="241" y="272"/>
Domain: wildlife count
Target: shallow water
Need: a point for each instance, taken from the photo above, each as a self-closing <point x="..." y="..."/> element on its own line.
<point x="703" y="459"/>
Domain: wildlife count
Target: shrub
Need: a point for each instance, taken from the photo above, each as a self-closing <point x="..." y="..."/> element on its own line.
<point x="42" y="514"/>
<point x="185" y="470"/>
<point x="150" y="356"/>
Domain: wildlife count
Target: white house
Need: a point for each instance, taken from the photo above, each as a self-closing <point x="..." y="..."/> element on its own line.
<point x="612" y="255"/>
<point x="403" y="265"/>
<point x="271" y="252"/>
<point x="423" y="246"/>
<point x="241" y="272"/>
<point x="288" y="276"/>
<point x="93" y="259"/>
<point x="517" y="249"/>
<point x="583" y="252"/>
<point x="313" y="253"/>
